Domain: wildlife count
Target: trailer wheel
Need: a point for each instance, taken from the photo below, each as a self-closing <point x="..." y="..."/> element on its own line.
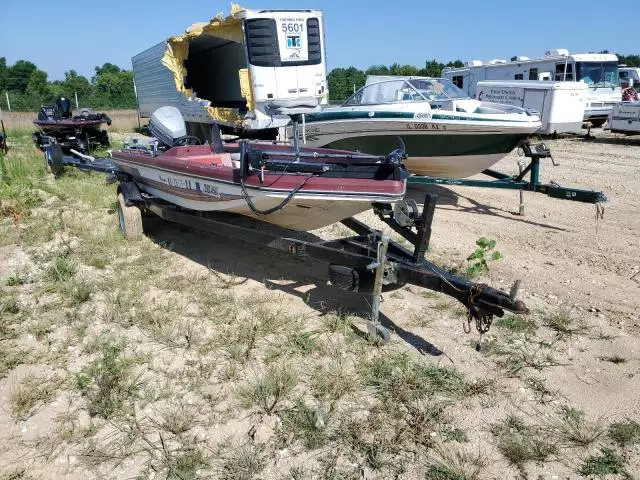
<point x="53" y="159"/>
<point x="352" y="280"/>
<point x="598" y="123"/>
<point x="130" y="220"/>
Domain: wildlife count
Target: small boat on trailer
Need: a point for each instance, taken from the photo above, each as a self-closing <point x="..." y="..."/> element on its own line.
<point x="292" y="187"/>
<point x="365" y="262"/>
<point x="447" y="134"/>
<point x="80" y="132"/>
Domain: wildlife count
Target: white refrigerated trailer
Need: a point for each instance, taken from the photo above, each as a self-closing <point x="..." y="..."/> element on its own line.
<point x="237" y="71"/>
<point x="599" y="71"/>
<point x="560" y="105"/>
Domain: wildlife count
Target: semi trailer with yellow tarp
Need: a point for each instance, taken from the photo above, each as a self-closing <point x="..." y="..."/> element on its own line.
<point x="237" y="71"/>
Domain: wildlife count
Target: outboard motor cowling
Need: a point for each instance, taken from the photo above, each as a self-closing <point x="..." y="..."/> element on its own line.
<point x="63" y="108"/>
<point x="167" y="125"/>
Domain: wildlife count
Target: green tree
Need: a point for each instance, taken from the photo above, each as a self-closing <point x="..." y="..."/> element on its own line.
<point x="18" y="76"/>
<point x="432" y="68"/>
<point x="4" y="73"/>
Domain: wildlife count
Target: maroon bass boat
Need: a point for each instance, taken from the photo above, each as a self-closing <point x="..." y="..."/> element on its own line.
<point x="293" y="187"/>
<point x="79" y="132"/>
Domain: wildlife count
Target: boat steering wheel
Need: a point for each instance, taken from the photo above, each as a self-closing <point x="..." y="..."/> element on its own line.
<point x="187" y="140"/>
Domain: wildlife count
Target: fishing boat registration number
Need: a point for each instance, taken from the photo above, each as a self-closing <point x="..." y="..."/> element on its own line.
<point x="425" y="126"/>
<point x="187" y="184"/>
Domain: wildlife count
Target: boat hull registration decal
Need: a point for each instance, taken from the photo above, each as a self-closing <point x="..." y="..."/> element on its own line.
<point x="188" y="184"/>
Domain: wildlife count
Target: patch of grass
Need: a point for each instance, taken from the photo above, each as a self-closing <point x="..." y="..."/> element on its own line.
<point x="307" y="423"/>
<point x="218" y="306"/>
<point x="608" y="463"/>
<point x="30" y="393"/>
<point x="332" y="381"/>
<point x="625" y="433"/>
<point x="445" y="463"/>
<point x="396" y="377"/>
<point x="186" y="463"/>
<point x="178" y="420"/>
<point x="61" y="268"/>
<point x="80" y="293"/>
<point x="339" y="321"/>
<point x="543" y="394"/>
<point x="516" y="324"/>
<point x="11" y="357"/>
<point x="570" y="427"/>
<point x="303" y="342"/>
<point x="563" y="323"/>
<point x="9" y="304"/>
<point x="270" y="388"/>
<point x="243" y="463"/>
<point x="520" y="443"/>
<point x="442" y="306"/>
<point x="99" y="262"/>
<point x="107" y="383"/>
<point x="16" y="278"/>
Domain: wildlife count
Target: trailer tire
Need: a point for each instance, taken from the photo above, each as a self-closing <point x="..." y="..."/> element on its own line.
<point x="54" y="160"/>
<point x="352" y="280"/>
<point x="598" y="123"/>
<point x="129" y="219"/>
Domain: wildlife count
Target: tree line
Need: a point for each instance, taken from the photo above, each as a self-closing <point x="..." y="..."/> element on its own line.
<point x="28" y="87"/>
<point x="112" y="87"/>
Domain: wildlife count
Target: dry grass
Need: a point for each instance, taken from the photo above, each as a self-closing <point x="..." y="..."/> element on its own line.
<point x="178" y="369"/>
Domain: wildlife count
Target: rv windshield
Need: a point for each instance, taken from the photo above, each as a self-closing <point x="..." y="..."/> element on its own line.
<point x="598" y="74"/>
<point x="411" y="90"/>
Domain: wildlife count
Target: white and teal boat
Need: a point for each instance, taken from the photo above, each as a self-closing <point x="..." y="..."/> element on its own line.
<point x="446" y="133"/>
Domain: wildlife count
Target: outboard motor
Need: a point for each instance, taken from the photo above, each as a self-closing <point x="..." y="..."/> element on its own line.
<point x="167" y="125"/>
<point x="63" y="108"/>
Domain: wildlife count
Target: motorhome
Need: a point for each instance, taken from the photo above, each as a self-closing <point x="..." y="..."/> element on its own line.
<point x="598" y="70"/>
<point x="237" y="71"/>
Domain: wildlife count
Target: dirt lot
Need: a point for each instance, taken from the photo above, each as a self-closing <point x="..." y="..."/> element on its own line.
<point x="184" y="356"/>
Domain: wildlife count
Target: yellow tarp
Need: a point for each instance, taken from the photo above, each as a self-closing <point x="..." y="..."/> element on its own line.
<point x="229" y="28"/>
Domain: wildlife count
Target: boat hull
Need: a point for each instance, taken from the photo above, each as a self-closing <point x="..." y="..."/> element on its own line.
<point x="435" y="147"/>
<point x="320" y="203"/>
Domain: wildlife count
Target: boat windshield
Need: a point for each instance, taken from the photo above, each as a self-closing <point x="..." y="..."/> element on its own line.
<point x="406" y="90"/>
<point x="598" y="74"/>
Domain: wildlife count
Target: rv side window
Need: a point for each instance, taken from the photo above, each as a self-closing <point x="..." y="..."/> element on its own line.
<point x="518" y="76"/>
<point x="533" y="74"/>
<point x="560" y="71"/>
<point x="458" y="80"/>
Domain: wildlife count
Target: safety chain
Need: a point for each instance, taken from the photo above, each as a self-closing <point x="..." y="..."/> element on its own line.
<point x="483" y="320"/>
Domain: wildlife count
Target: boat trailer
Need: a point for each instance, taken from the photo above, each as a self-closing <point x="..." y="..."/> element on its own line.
<point x="368" y="262"/>
<point x="520" y="182"/>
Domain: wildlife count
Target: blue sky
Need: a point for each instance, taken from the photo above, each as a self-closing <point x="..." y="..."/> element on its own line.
<point x="65" y="34"/>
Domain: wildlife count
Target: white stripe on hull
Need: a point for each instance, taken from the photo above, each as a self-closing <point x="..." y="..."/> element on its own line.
<point x="306" y="211"/>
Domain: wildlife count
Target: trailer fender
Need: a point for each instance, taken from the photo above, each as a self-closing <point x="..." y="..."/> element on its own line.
<point x="130" y="193"/>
